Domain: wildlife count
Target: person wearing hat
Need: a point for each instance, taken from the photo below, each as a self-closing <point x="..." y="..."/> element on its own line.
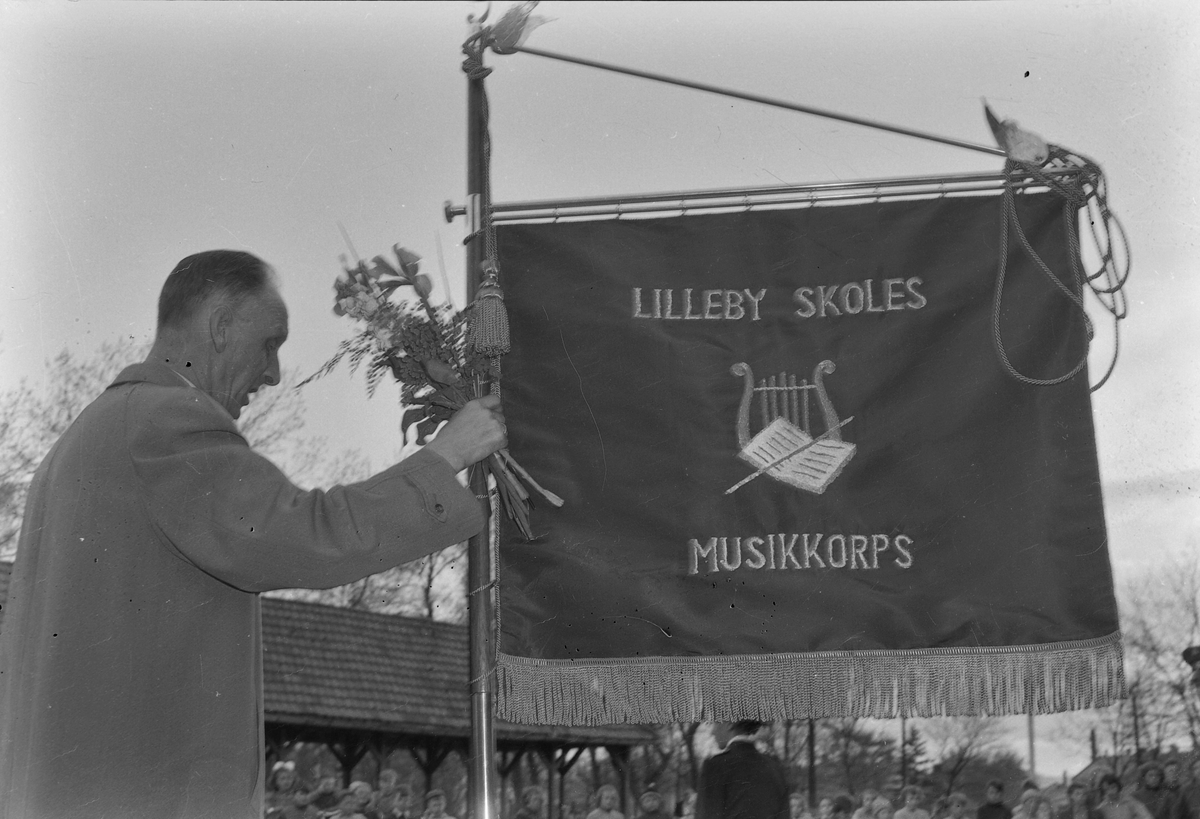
<point x="650" y="806"/>
<point x="354" y="802"/>
<point x="286" y="798"/>
<point x="435" y="805"/>
<point x="393" y="799"/>
<point x="741" y="782"/>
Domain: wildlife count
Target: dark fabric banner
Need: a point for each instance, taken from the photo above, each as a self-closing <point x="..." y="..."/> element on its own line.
<point x="799" y="481"/>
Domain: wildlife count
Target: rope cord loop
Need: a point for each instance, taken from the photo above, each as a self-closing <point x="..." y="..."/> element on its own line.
<point x="1084" y="195"/>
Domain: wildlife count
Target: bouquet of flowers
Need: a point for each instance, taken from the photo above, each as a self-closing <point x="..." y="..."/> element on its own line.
<point x="427" y="349"/>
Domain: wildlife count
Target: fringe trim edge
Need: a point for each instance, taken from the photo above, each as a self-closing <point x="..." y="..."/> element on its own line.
<point x="994" y="681"/>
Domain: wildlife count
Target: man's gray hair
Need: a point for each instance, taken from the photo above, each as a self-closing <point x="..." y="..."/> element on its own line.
<point x="234" y="274"/>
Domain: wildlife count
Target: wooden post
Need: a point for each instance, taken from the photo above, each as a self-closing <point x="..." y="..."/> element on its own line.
<point x="812" y="764"/>
<point x="1032" y="757"/>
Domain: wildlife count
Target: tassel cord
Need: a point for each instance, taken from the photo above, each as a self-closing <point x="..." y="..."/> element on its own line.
<point x="1088" y="194"/>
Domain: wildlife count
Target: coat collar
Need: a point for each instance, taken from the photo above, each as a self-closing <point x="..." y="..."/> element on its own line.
<point x="152" y="372"/>
<point x="740" y="744"/>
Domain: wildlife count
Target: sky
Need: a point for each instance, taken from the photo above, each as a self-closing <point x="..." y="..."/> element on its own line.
<point x="133" y="134"/>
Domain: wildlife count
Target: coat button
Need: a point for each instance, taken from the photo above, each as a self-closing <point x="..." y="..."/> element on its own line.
<point x="439" y="508"/>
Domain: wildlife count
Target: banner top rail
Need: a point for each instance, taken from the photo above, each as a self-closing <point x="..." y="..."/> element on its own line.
<point x="755" y="197"/>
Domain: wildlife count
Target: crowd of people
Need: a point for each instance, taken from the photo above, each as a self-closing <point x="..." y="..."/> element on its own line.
<point x="1161" y="791"/>
<point x="288" y="798"/>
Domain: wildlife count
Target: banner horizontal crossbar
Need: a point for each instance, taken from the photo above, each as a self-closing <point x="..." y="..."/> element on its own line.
<point x="747" y="198"/>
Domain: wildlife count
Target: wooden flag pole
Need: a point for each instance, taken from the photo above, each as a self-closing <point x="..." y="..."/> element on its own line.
<point x="481" y="769"/>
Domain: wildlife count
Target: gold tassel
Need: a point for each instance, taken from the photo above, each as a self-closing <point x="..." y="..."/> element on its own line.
<point x="489" y="322"/>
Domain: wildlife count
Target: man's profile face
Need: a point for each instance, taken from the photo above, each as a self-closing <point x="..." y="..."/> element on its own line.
<point x="257" y="328"/>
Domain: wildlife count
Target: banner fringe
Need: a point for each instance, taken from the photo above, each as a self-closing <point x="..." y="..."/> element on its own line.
<point x="991" y="681"/>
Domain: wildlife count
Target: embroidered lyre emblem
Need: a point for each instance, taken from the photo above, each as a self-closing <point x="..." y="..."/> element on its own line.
<point x="785" y="449"/>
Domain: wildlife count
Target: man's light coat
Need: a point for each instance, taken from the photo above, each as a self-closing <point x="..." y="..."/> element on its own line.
<point x="130" y="656"/>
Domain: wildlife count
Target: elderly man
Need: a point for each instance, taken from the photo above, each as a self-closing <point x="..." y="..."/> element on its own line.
<point x="130" y="659"/>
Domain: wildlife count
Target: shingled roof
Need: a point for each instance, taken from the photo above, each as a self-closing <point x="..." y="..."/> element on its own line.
<point x="360" y="670"/>
<point x="327" y="667"/>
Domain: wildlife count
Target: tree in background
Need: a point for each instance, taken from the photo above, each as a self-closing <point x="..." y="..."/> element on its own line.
<point x="789" y="740"/>
<point x="653" y="764"/>
<point x="688" y="763"/>
<point x="431" y="587"/>
<point x="958" y="744"/>
<point x="1004" y="765"/>
<point x="34" y="415"/>
<point x="914" y="762"/>
<point x="853" y="757"/>
<point x="1160" y="616"/>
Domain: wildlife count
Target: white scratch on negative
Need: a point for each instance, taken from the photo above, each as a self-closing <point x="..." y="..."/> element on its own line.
<point x="61" y="238"/>
<point x="595" y="423"/>
<point x="230" y="232"/>
<point x="302" y="164"/>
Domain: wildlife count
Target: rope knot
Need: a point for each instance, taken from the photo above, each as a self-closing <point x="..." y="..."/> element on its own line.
<point x="473" y="65"/>
<point x="474" y="68"/>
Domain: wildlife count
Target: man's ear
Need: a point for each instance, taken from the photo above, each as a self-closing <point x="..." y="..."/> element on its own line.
<point x="220" y="320"/>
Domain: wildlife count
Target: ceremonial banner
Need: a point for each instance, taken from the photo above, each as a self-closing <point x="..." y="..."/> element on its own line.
<point x="799" y="481"/>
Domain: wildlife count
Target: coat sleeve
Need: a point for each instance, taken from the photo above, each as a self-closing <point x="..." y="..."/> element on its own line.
<point x="233" y="514"/>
